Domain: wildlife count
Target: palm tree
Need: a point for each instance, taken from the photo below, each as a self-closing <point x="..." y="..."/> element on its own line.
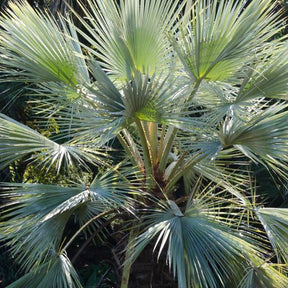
<point x="157" y="116"/>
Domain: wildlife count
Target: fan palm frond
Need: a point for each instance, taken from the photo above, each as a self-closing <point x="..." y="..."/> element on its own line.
<point x="222" y="167"/>
<point x="266" y="275"/>
<point x="219" y="37"/>
<point x="201" y="250"/>
<point x="264" y="137"/>
<point x="131" y="37"/>
<point x="56" y="273"/>
<point x="37" y="214"/>
<point x="34" y="229"/>
<point x="89" y="127"/>
<point x="151" y="99"/>
<point x="19" y="140"/>
<point x="35" y="49"/>
<point x="234" y="180"/>
<point x="275" y="223"/>
<point x="267" y="78"/>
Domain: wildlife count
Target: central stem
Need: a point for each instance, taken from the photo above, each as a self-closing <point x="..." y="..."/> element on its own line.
<point x="146" y="154"/>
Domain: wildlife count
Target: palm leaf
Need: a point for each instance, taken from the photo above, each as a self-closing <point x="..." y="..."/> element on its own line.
<point x="37" y="214"/>
<point x="267" y="275"/>
<point x="224" y="168"/>
<point x="275" y="223"/>
<point x="269" y="77"/>
<point x="234" y="180"/>
<point x="57" y="273"/>
<point x="19" y="140"/>
<point x="47" y="99"/>
<point x="34" y="48"/>
<point x="88" y="126"/>
<point x="262" y="137"/>
<point x="215" y="95"/>
<point x="96" y="114"/>
<point x="34" y="230"/>
<point x="131" y="36"/>
<point x="107" y="93"/>
<point x="201" y="250"/>
<point x="220" y="36"/>
<point x="150" y="98"/>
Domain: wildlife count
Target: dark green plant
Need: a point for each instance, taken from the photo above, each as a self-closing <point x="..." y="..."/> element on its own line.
<point x="9" y="272"/>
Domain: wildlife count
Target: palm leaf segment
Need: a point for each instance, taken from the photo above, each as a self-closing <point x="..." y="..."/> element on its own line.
<point x="57" y="273"/>
<point x="15" y="135"/>
<point x="219" y="37"/>
<point x="275" y="223"/>
<point x="37" y="216"/>
<point x="38" y="49"/>
<point x="201" y="249"/>
<point x="130" y="37"/>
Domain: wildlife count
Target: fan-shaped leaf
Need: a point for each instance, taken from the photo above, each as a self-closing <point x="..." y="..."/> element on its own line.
<point x="267" y="275"/>
<point x="56" y="273"/>
<point x="130" y="37"/>
<point x="201" y="251"/>
<point x="18" y="140"/>
<point x="275" y="223"/>
<point x="263" y="136"/>
<point x="221" y="35"/>
<point x="37" y="214"/>
<point x="268" y="78"/>
<point x="34" y="48"/>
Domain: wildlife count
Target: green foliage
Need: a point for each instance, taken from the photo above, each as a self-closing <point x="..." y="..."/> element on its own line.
<point x="98" y="275"/>
<point x="9" y="271"/>
<point x="189" y="96"/>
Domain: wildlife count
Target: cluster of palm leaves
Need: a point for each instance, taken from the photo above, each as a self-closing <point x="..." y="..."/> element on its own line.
<point x="187" y="95"/>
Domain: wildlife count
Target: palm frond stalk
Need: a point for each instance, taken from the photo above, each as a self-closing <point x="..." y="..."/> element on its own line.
<point x="146" y="117"/>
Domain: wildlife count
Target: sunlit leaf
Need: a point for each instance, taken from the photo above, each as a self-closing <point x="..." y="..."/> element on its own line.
<point x="275" y="223"/>
<point x="267" y="275"/>
<point x="18" y="140"/>
<point x="201" y="251"/>
<point x="131" y="37"/>
<point x="35" y="49"/>
<point x="220" y="36"/>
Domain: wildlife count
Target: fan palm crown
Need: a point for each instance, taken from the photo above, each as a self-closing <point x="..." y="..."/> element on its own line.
<point x="158" y="110"/>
